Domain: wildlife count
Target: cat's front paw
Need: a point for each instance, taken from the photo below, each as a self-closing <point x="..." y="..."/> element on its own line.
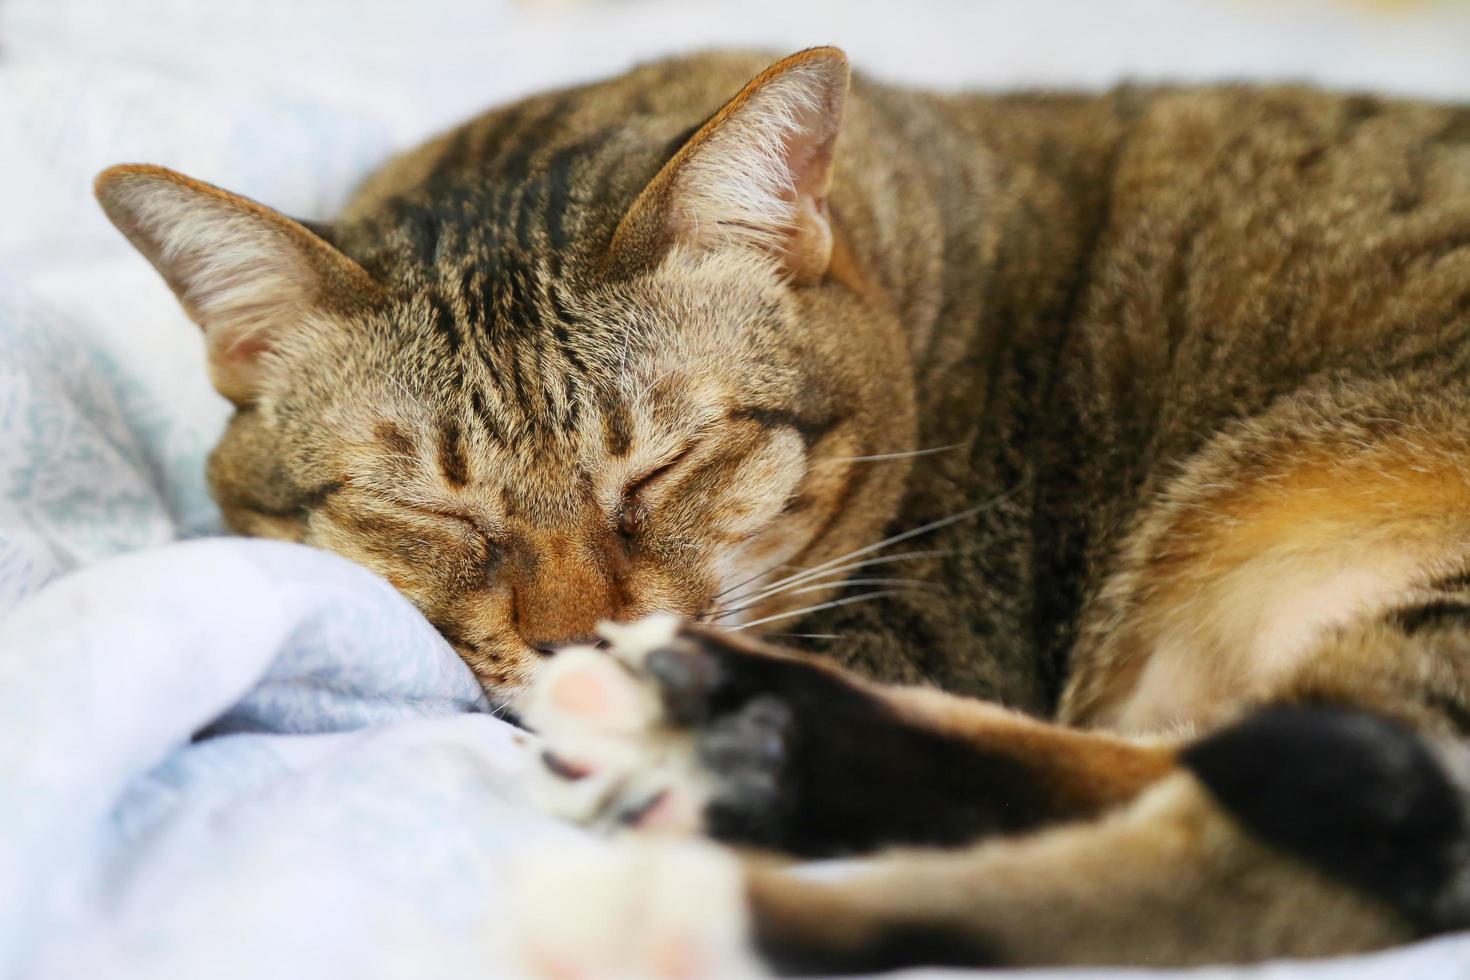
<point x="643" y="910"/>
<point x="666" y="731"/>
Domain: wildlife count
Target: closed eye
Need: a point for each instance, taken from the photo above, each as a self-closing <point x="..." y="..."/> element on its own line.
<point x="490" y="551"/>
<point x="631" y="511"/>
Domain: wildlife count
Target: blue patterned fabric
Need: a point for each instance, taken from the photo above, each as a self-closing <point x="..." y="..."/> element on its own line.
<point x="78" y="484"/>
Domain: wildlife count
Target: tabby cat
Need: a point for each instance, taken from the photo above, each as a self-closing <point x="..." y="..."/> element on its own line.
<point x="1103" y="462"/>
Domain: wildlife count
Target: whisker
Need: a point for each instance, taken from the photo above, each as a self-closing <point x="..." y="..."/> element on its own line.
<point x="914" y="583"/>
<point x="827" y="566"/>
<point x="893" y="539"/>
<point x="500" y="709"/>
<point x="810" y="636"/>
<point x="902" y="536"/>
<point x="655" y="382"/>
<point x="747" y="581"/>
<point x="906" y="455"/>
<point x="842" y="570"/>
<point x="830" y="604"/>
<point x="403" y="388"/>
<point x="917" y="583"/>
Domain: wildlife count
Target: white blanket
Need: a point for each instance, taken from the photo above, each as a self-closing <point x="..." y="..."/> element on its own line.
<point x="226" y="758"/>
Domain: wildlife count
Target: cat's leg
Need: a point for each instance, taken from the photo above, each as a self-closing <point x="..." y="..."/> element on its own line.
<point x="1296" y="832"/>
<point x="1333" y="819"/>
<point x="703" y="732"/>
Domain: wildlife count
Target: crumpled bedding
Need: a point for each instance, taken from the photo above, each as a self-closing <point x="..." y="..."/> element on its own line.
<point x="221" y="757"/>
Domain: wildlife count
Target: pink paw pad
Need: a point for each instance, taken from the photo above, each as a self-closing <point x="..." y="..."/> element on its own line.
<point x="596" y="691"/>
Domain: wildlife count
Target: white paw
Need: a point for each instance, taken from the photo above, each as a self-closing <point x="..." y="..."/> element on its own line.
<point x="608" y="757"/>
<point x="641" y="910"/>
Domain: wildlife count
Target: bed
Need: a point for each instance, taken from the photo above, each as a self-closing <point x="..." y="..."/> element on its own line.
<point x="229" y="758"/>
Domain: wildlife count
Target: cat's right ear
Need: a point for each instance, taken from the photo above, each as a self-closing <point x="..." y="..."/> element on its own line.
<point x="243" y="272"/>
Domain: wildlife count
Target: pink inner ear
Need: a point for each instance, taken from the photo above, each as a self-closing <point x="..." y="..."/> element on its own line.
<point x="809" y="157"/>
<point x="809" y="147"/>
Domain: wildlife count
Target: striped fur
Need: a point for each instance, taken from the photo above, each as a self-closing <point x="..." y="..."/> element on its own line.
<point x="1169" y="385"/>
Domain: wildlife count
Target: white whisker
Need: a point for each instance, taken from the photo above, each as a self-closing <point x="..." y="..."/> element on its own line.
<point x="892" y="540"/>
<point x="832" y="604"/>
<point x="838" y="571"/>
<point x="655" y="382"/>
<point x="917" y="584"/>
<point x="746" y="581"/>
<point x="403" y="388"/>
<point x="903" y="536"/>
<point x="906" y="455"/>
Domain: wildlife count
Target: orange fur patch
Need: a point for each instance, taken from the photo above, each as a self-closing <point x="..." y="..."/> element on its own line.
<point x="1245" y="582"/>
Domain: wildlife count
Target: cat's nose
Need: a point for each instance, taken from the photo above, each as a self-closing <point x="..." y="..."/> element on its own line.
<point x="561" y="596"/>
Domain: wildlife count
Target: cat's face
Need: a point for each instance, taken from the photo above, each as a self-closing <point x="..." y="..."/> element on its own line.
<point x="526" y="446"/>
<point x="695" y="433"/>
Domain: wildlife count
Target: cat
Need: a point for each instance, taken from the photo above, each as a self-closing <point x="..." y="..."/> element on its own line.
<point x="1099" y="462"/>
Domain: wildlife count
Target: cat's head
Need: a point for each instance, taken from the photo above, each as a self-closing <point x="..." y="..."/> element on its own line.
<point x="533" y="404"/>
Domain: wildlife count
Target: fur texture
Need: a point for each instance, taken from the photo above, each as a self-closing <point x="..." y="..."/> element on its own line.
<point x="1128" y="415"/>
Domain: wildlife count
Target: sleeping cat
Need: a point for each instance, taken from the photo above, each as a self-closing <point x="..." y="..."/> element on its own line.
<point x="1108" y="455"/>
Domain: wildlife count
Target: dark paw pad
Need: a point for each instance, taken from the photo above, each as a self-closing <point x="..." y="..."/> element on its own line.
<point x="746" y="752"/>
<point x="686" y="675"/>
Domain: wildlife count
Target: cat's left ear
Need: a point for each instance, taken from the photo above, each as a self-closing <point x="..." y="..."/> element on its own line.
<point x="756" y="175"/>
<point x="248" y="275"/>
